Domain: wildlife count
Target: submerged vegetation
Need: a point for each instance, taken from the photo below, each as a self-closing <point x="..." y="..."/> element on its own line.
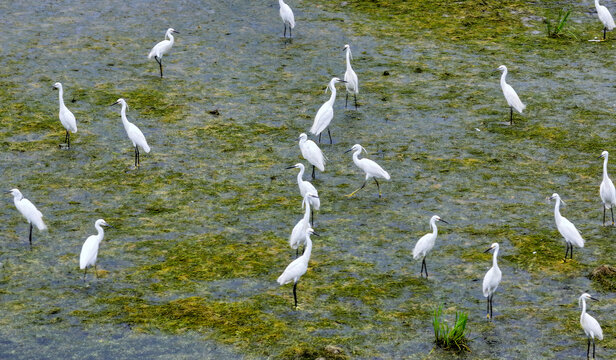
<point x="554" y="26"/>
<point x="450" y="338"/>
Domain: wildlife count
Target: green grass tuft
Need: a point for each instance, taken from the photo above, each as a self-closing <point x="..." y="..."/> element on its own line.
<point x="450" y="338"/>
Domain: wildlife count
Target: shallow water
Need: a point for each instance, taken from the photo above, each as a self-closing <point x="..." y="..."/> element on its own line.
<point x="201" y="229"/>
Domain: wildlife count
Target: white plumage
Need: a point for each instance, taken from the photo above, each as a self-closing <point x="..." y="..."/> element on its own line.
<point x="162" y="48"/>
<point x="511" y="96"/>
<point x="326" y="111"/>
<point x="298" y="234"/>
<point x="426" y="243"/>
<point x="312" y="153"/>
<point x="491" y="280"/>
<point x="352" y="84"/>
<point x="298" y="267"/>
<point x="566" y="228"/>
<point x="66" y="116"/>
<point x="305" y="187"/>
<point x="607" y="190"/>
<point x="287" y="17"/>
<point x="29" y="211"/>
<point x="605" y="17"/>
<point x="372" y="169"/>
<point x="134" y="134"/>
<point x="89" y="250"/>
<point x="591" y="326"/>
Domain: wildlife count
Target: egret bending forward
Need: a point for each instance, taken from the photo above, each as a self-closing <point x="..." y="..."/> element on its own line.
<point x="426" y="243"/>
<point x="605" y="17"/>
<point x="305" y="188"/>
<point x="287" y="17"/>
<point x="352" y="84"/>
<point x="298" y="233"/>
<point x="162" y="48"/>
<point x="566" y="228"/>
<point x="298" y="267"/>
<point x="607" y="190"/>
<point x="66" y="117"/>
<point x="511" y="96"/>
<point x="29" y="211"/>
<point x="491" y="280"/>
<point x="89" y="250"/>
<point x="372" y="169"/>
<point x="311" y="152"/>
<point x="134" y="134"/>
<point x="326" y="112"/>
<point x="591" y="326"/>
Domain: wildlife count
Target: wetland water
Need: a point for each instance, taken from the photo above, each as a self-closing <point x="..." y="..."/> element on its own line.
<point x="201" y="229"/>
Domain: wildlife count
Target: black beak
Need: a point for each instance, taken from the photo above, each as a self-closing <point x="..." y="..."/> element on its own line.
<point x="7" y="191"/>
<point x="315" y="234"/>
<point x="342" y="81"/>
<point x="111" y="226"/>
<point x="348" y="151"/>
<point x="290" y="167"/>
<point x="54" y="88"/>
<point x="600" y="156"/>
<point x="115" y="103"/>
<point x="441" y="220"/>
<point x="592" y="298"/>
<point x="177" y="32"/>
<point x="314" y="196"/>
<point x="487" y="250"/>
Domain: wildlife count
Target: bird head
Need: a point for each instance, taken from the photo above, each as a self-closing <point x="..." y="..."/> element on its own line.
<point x="298" y="165"/>
<point x="16" y="193"/>
<point x="355" y="148"/>
<point x="302" y="137"/>
<point x="310" y="231"/>
<point x="121" y="102"/>
<point x="438" y="218"/>
<point x="57" y="86"/>
<point x="102" y="222"/>
<point x="586" y="296"/>
<point x="171" y="31"/>
<point x="502" y="68"/>
<point x="556" y="197"/>
<point x="603" y="154"/>
<point x="494" y="246"/>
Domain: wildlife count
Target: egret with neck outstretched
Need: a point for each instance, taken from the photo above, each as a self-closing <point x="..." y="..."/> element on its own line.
<point x="326" y="112"/>
<point x="134" y="134"/>
<point x="162" y="48"/>
<point x="352" y="84"/>
<point x="312" y="153"/>
<point x="305" y="187"/>
<point x="426" y="243"/>
<point x="566" y="228"/>
<point x="29" y="211"/>
<point x="590" y="325"/>
<point x="372" y="169"/>
<point x="66" y="116"/>
<point x="511" y="96"/>
<point x="89" y="250"/>
<point x="491" y="280"/>
<point x="607" y="190"/>
<point x="299" y="266"/>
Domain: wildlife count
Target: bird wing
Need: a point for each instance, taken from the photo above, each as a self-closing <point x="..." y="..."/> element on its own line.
<point x="31" y="213"/>
<point x="491" y="281"/>
<point x="137" y="137"/>
<point x="605" y="17"/>
<point x="68" y="119"/>
<point x="607" y="192"/>
<point x="372" y="169"/>
<point x="512" y="98"/>
<point x="570" y="232"/>
<point x="314" y="155"/>
<point x="298" y="235"/>
<point x="352" y="84"/>
<point x="423" y="246"/>
<point x="287" y="15"/>
<point x="295" y="269"/>
<point x="592" y="326"/>
<point x="307" y="188"/>
<point x="159" y="49"/>
<point x="322" y="119"/>
<point x="89" y="251"/>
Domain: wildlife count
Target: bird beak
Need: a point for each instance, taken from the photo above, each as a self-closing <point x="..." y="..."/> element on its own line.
<point x="348" y="151"/>
<point x="54" y="88"/>
<point x="315" y="234"/>
<point x="290" y="167"/>
<point x="177" y="32"/>
<point x="314" y="196"/>
<point x="115" y="103"/>
<point x="342" y="81"/>
<point x="592" y="298"/>
<point x="441" y="220"/>
<point x="7" y="191"/>
<point x="487" y="250"/>
<point x="600" y="156"/>
<point x="111" y="226"/>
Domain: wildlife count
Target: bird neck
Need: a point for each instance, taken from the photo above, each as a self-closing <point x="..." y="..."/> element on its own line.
<point x="597" y="4"/>
<point x="332" y="88"/>
<point x="280" y="2"/>
<point x="101" y="232"/>
<point x="348" y="58"/>
<point x="557" y="215"/>
<point x="434" y="229"/>
<point x="123" y="114"/>
<point x="308" y="249"/>
<point x="605" y="168"/>
<point x="300" y="175"/>
<point x="583" y="307"/>
<point x="494" y="262"/>
<point x="171" y="39"/>
<point x="307" y="212"/>
<point x="17" y="198"/>
<point x="356" y="156"/>
<point x="503" y="76"/>
<point x="61" y="96"/>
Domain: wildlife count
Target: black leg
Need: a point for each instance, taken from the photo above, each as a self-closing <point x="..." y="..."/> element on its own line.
<point x="492" y="306"/>
<point x="421" y="271"/>
<point x="68" y="135"/>
<point x="425" y="266"/>
<point x="313" y="172"/>
<point x="378" y="186"/>
<point x="138" y="157"/>
<point x="30" y="236"/>
<point x="488" y="306"/>
<point x="312" y="217"/>
<point x="290" y="34"/>
<point x="588" y="349"/>
<point x="330" y="137"/>
<point x="297" y="252"/>
<point x="295" y="293"/>
<point x="593" y="348"/>
<point x="284" y="34"/>
<point x="346" y="100"/>
<point x="604" y="30"/>
<point x="355" y="98"/>
<point x="510" y="115"/>
<point x="160" y="65"/>
<point x="604" y="215"/>
<point x="84" y="273"/>
<point x="135" y="156"/>
<point x="319" y="138"/>
<point x="571" y="253"/>
<point x="567" y="252"/>
<point x="95" y="271"/>
<point x="612" y="211"/>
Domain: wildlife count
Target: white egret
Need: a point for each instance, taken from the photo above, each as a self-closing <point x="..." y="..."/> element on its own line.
<point x="299" y="266"/>
<point x="607" y="190"/>
<point x="426" y="243"/>
<point x="352" y="84"/>
<point x="298" y="233"/>
<point x="566" y="228"/>
<point x="589" y="324"/>
<point x="605" y="17"/>
<point x="311" y="152"/>
<point x="287" y="17"/>
<point x="29" y="211"/>
<point x="372" y="169"/>
<point x="89" y="250"/>
<point x="162" y="48"/>
<point x="491" y="280"/>
<point x="305" y="187"/>
<point x="134" y="134"/>
<point x="66" y="116"/>
<point x="326" y="112"/>
<point x="512" y="98"/>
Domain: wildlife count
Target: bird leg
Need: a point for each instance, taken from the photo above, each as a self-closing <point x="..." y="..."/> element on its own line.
<point x="566" y="253"/>
<point x="30" y="236"/>
<point x="488" y="307"/>
<point x="425" y="266"/>
<point x="422" y="267"/>
<point x="353" y="193"/>
<point x="160" y="64"/>
<point x="604" y="215"/>
<point x="312" y="217"/>
<point x="319" y="138"/>
<point x="295" y="293"/>
<point x="297" y="252"/>
<point x="491" y="306"/>
<point x="355" y="98"/>
<point x="612" y="211"/>
<point x="378" y="186"/>
<point x="588" y="349"/>
<point x="511" y="115"/>
<point x="136" y="156"/>
<point x="330" y="137"/>
<point x="313" y="172"/>
<point x="346" y="100"/>
<point x="571" y="253"/>
<point x="593" y="348"/>
<point x="84" y="273"/>
<point x="290" y="34"/>
<point x="604" y="31"/>
<point x="284" y="34"/>
<point x="95" y="271"/>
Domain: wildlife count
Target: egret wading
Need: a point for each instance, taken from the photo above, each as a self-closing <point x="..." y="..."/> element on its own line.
<point x="426" y="243"/>
<point x="491" y="280"/>
<point x="607" y="190"/>
<point x="66" y="116"/>
<point x="298" y="233"/>
<point x="591" y="326"/>
<point x="29" y="211"/>
<point x="312" y="153"/>
<point x="511" y="96"/>
<point x="372" y="169"/>
<point x="305" y="188"/>
<point x="566" y="228"/>
<point x="352" y="84"/>
<point x="287" y="17"/>
<point x="299" y="266"/>
<point x="89" y="250"/>
<point x="162" y="48"/>
<point x="605" y="17"/>
<point x="326" y="112"/>
<point x="134" y="134"/>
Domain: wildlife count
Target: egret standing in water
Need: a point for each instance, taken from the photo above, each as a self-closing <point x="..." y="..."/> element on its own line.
<point x="305" y="188"/>
<point x="607" y="190"/>
<point x="326" y="112"/>
<point x="352" y="84"/>
<point x="311" y="152"/>
<point x="372" y="169"/>
<point x="589" y="324"/>
<point x="605" y="17"/>
<point x="299" y="266"/>
<point x="134" y="134"/>
<point x="287" y="17"/>
<point x="89" y="250"/>
<point x="29" y="211"/>
<point x="66" y="117"/>
<point x="426" y="243"/>
<point x="162" y="48"/>
<point x="491" y="280"/>
<point x="512" y="98"/>
<point x="298" y="233"/>
<point x="566" y="228"/>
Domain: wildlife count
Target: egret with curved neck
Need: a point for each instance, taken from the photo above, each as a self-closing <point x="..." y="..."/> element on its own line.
<point x="299" y="266"/>
<point x="372" y="169"/>
<point x="89" y="250"/>
<point x="590" y="325"/>
<point x="66" y="116"/>
<point x="305" y="188"/>
<point x="162" y="48"/>
<point x="134" y="134"/>
<point x="352" y="84"/>
<point x="491" y="280"/>
<point x="29" y="211"/>
<point x="426" y="243"/>
<point x="607" y="190"/>
<point x="326" y="112"/>
<point x="311" y="152"/>
<point x="566" y="228"/>
<point x="511" y="96"/>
